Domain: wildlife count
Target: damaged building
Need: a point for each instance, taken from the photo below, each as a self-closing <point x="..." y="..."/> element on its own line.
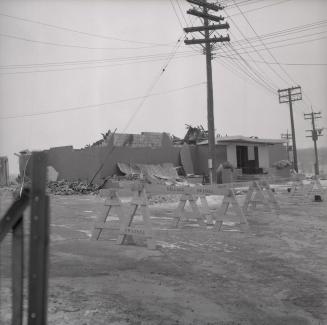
<point x="120" y="154"/>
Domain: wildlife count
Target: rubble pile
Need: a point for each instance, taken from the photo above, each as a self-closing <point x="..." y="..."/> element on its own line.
<point x="69" y="188"/>
<point x="156" y="199"/>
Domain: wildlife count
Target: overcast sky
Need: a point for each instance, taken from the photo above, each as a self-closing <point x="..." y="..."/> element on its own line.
<point x="111" y="53"/>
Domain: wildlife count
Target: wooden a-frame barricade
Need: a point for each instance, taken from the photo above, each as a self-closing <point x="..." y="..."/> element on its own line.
<point x="111" y="203"/>
<point x="260" y="192"/>
<point x="127" y="229"/>
<point x="206" y="217"/>
<point x="230" y="201"/>
<point x="182" y="215"/>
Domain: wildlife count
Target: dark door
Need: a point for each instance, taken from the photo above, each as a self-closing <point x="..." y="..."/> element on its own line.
<point x="242" y="156"/>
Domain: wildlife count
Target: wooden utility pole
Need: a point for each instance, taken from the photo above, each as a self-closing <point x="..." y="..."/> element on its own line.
<point x="206" y="30"/>
<point x="315" y="133"/>
<point x="287" y="136"/>
<point x="290" y="95"/>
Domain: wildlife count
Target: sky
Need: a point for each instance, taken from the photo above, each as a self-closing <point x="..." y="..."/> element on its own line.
<point x="71" y="70"/>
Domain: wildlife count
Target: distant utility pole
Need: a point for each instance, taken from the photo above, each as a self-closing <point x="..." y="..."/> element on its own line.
<point x="290" y="95"/>
<point x="206" y="30"/>
<point x="287" y="136"/>
<point x="315" y="133"/>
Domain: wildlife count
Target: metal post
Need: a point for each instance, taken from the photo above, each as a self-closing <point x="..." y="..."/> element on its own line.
<point x="293" y="133"/>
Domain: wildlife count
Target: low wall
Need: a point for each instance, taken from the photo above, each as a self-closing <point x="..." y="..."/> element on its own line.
<point x="82" y="164"/>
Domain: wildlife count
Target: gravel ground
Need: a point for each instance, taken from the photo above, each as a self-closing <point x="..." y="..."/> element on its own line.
<point x="274" y="273"/>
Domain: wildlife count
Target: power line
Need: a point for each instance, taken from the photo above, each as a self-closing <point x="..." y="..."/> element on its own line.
<point x="268" y="50"/>
<point x="247" y="52"/>
<point x="98" y="66"/>
<point x="257" y="76"/>
<point x="79" y="62"/>
<point x="80" y="32"/>
<point x="77" y="108"/>
<point x="295" y="29"/>
<point x="282" y="63"/>
<point x="286" y="45"/>
<point x="252" y="28"/>
<point x="176" y="14"/>
<point x="71" y="45"/>
<point x="182" y="12"/>
<point x="252" y="76"/>
<point x="152" y="86"/>
<point x="235" y="43"/>
<point x="260" y="8"/>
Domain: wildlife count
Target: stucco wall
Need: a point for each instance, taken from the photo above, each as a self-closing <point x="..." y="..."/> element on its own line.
<point x="263" y="153"/>
<point x="277" y="152"/>
<point x="231" y="154"/>
<point x="201" y="164"/>
<point x="73" y="164"/>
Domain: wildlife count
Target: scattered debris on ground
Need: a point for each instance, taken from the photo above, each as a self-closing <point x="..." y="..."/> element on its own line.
<point x="69" y="188"/>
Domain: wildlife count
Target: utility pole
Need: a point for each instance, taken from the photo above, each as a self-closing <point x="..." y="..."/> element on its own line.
<point x="290" y="95"/>
<point x="315" y="133"/>
<point x="206" y="30"/>
<point x="287" y="136"/>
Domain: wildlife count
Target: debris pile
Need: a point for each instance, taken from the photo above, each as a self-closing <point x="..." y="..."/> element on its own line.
<point x="157" y="199"/>
<point x="69" y="188"/>
<point x="193" y="135"/>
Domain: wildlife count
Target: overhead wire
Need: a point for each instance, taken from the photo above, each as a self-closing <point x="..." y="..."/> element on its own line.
<point x="25" y="39"/>
<point x="79" y="62"/>
<point x="240" y="69"/>
<point x="260" y="73"/>
<point x="152" y="86"/>
<point x="292" y="30"/>
<point x="176" y="14"/>
<point x="80" y="32"/>
<point x="227" y="56"/>
<point x="191" y="55"/>
<point x="258" y="53"/>
<point x="260" y="8"/>
<point x="286" y="45"/>
<point x="267" y="49"/>
<point x="95" y="106"/>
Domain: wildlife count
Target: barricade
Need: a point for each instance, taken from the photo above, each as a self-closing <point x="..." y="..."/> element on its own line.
<point x="300" y="193"/>
<point x="127" y="230"/>
<point x="111" y="203"/>
<point x="260" y="192"/>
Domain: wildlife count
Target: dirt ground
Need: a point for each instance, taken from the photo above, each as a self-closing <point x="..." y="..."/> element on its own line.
<point x="275" y="273"/>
